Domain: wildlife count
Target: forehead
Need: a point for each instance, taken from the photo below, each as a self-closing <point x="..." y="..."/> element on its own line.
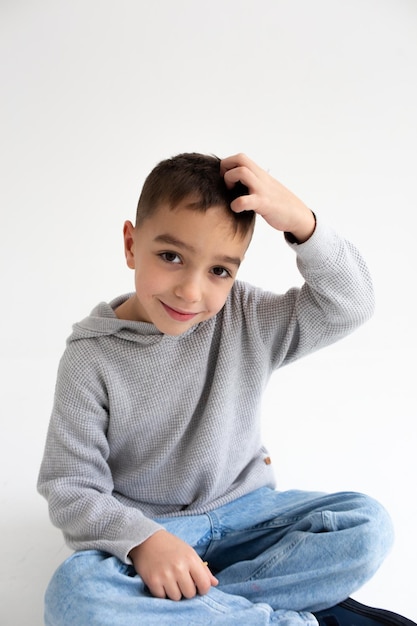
<point x="201" y="230"/>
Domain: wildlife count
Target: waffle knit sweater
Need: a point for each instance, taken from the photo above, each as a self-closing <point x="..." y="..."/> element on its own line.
<point x="146" y="425"/>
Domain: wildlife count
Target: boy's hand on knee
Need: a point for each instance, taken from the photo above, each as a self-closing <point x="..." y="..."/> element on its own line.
<point x="170" y="568"/>
<point x="267" y="197"/>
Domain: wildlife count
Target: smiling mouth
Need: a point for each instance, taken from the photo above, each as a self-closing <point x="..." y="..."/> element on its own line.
<point x="179" y="316"/>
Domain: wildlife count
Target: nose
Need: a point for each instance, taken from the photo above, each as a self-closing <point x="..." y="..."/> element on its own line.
<point x="189" y="289"/>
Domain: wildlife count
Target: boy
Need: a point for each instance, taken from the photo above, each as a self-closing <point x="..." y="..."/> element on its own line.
<point x="154" y="467"/>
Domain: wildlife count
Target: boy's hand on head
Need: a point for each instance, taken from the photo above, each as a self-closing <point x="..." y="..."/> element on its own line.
<point x="267" y="197"/>
<point x="170" y="568"/>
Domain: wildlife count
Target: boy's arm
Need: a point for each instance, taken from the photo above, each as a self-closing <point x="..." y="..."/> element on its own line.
<point x="76" y="480"/>
<point x="75" y="476"/>
<point x="337" y="294"/>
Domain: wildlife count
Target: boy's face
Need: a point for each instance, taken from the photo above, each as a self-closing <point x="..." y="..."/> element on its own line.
<point x="185" y="264"/>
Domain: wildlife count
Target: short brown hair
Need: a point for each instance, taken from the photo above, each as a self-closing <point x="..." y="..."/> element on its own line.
<point x="198" y="177"/>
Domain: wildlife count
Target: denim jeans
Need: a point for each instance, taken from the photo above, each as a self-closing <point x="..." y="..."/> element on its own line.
<point x="278" y="556"/>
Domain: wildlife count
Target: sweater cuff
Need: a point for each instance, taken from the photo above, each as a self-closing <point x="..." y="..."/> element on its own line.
<point x="319" y="249"/>
<point x="135" y="533"/>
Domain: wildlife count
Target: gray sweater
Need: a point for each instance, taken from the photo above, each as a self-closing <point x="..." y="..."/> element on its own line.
<point x="146" y="425"/>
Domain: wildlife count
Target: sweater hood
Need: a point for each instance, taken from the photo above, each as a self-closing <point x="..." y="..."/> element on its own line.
<point x="103" y="321"/>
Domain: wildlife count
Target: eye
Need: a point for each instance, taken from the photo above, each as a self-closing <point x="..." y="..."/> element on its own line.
<point x="170" y="257"/>
<point x="221" y="272"/>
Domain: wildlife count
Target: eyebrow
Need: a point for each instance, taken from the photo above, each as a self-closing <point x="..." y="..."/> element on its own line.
<point x="174" y="241"/>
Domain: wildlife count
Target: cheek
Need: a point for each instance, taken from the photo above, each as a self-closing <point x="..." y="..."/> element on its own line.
<point x="143" y="284"/>
<point x="218" y="298"/>
<point x="150" y="281"/>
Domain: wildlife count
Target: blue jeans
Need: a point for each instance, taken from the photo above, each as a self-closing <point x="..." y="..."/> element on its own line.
<point x="278" y="556"/>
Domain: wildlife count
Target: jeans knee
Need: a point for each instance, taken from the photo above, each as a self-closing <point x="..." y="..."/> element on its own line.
<point x="374" y="529"/>
<point x="68" y="593"/>
<point x="55" y="601"/>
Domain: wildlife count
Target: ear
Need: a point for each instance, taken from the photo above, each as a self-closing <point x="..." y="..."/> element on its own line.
<point x="129" y="243"/>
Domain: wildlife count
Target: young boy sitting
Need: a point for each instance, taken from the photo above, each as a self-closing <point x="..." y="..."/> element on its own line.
<point x="154" y="466"/>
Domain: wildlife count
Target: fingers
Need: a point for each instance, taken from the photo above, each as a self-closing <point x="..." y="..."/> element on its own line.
<point x="267" y="197"/>
<point x="170" y="568"/>
<point x="177" y="583"/>
<point x="180" y="586"/>
<point x="246" y="203"/>
<point x="244" y="175"/>
<point x="236" y="161"/>
<point x="240" y="168"/>
<point x="204" y="579"/>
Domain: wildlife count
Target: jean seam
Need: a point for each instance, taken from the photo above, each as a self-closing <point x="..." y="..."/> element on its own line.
<point x="260" y="572"/>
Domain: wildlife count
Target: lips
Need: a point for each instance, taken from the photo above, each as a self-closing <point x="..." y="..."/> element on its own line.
<point x="177" y="315"/>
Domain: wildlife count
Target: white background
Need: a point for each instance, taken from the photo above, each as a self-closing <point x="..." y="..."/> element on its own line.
<point x="321" y="93"/>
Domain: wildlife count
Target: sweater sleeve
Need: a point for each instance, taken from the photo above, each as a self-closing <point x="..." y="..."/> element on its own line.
<point x="75" y="476"/>
<point x="336" y="298"/>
